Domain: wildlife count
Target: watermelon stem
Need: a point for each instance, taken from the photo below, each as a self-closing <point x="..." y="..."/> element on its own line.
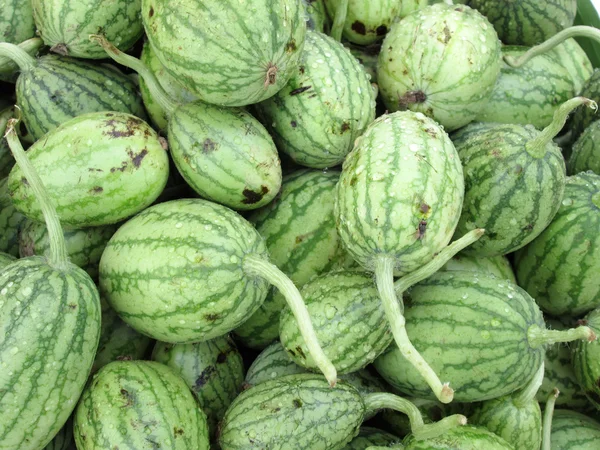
<point x="538" y="336"/>
<point x="548" y="413"/>
<point x="158" y="93"/>
<point x="58" y="255"/>
<point x="527" y="394"/>
<point x="384" y="400"/>
<point x="339" y="20"/>
<point x="537" y="146"/>
<point x="437" y="262"/>
<point x="19" y="54"/>
<point x="384" y="276"/>
<point x="258" y="266"/>
<point x="576" y="31"/>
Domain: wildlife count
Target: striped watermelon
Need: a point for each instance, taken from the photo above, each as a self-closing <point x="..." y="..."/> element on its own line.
<point x="520" y="97"/>
<point x="100" y="168"/>
<point x="516" y="418"/>
<point x="514" y="181"/>
<point x="443" y="61"/>
<point x="16" y="26"/>
<point x="559" y="268"/>
<point x="499" y="266"/>
<point x="257" y="53"/>
<point x="559" y="374"/>
<point x="316" y="15"/>
<point x="318" y="115"/>
<point x="368" y="21"/>
<point x="138" y="405"/>
<point x="6" y="159"/>
<point x="213" y="370"/>
<point x="453" y="318"/>
<point x="527" y="22"/>
<point x="464" y="438"/>
<point x="85" y="246"/>
<point x="586" y="361"/>
<point x="64" y="439"/>
<point x="118" y="341"/>
<point x="574" y="431"/>
<point x="11" y="222"/>
<point x="53" y="89"/>
<point x="572" y="57"/>
<point x="217" y="268"/>
<point x="583" y="117"/>
<point x="6" y="259"/>
<point x="170" y="85"/>
<point x="348" y="318"/>
<point x="299" y="230"/>
<point x="398" y="202"/>
<point x="368" y="437"/>
<point x="49" y="330"/>
<point x="65" y="25"/>
<point x="585" y="155"/>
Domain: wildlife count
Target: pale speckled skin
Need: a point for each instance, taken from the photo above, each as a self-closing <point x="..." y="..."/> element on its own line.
<point x="70" y="22"/>
<point x="574" y="431"/>
<point x="98" y="168"/>
<point x="498" y="266"/>
<point x="400" y="192"/>
<point x="49" y="330"/>
<point x="246" y="38"/>
<point x="451" y="54"/>
<point x="293" y="412"/>
<point x="139" y="405"/>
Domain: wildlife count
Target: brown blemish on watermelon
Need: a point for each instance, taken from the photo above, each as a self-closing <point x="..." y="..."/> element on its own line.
<point x="212" y="317"/>
<point x="359" y="27"/>
<point x="410" y="98"/>
<point x="136" y="159"/>
<point x="431" y="132"/>
<point x="208" y="146"/>
<point x="178" y="431"/>
<point x="421" y="229"/>
<point x="60" y="49"/>
<point x="345" y="127"/>
<point x="447" y="34"/>
<point x="300" y="90"/>
<point x="297" y="403"/>
<point x="252" y="197"/>
<point x="424" y="208"/>
<point x="291" y="47"/>
<point x="294" y="124"/>
<point x="24" y="181"/>
<point x="151" y="12"/>
<point x="381" y="30"/>
<point x="96" y="190"/>
<point x="204" y="377"/>
<point x="271" y="76"/>
<point x="128" y="398"/>
<point x="120" y="169"/>
<point x="300" y="352"/>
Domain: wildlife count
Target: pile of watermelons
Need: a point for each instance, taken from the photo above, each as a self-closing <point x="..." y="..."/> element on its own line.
<point x="287" y="224"/>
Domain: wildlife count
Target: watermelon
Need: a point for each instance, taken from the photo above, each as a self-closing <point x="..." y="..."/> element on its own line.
<point x="316" y="15"/>
<point x="213" y="370"/>
<point x="53" y="89"/>
<point x="6" y="259"/>
<point x="318" y="115"/>
<point x="398" y="202"/>
<point x="516" y="418"/>
<point x="100" y="169"/>
<point x="11" y="222"/>
<point x="368" y="436"/>
<point x="49" y="330"/>
<point x="65" y="25"/>
<point x="85" y="246"/>
<point x="368" y="21"/>
<point x="257" y="53"/>
<point x="514" y="181"/>
<point x="499" y="266"/>
<point x="273" y="362"/>
<point x="118" y="341"/>
<point x="452" y="317"/>
<point x="174" y="90"/>
<point x="527" y="22"/>
<point x="6" y="159"/>
<point x="584" y="155"/>
<point x="574" y="431"/>
<point x="586" y="361"/>
<point x="572" y="57"/>
<point x="138" y="405"/>
<point x="16" y="27"/>
<point x="443" y="61"/>
<point x="464" y="438"/>
<point x="218" y="273"/>
<point x="559" y="267"/>
<point x="520" y="98"/>
<point x="299" y="230"/>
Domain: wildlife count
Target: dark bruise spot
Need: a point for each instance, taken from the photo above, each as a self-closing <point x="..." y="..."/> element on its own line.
<point x="151" y="12"/>
<point x="294" y="124"/>
<point x="345" y="127"/>
<point x="410" y="98"/>
<point x="381" y="30"/>
<point x="359" y="27"/>
<point x="96" y="190"/>
<point x="252" y="197"/>
<point x="178" y="431"/>
<point x="300" y="90"/>
<point x="246" y="386"/>
<point x="24" y="181"/>
<point x="301" y="69"/>
<point x="208" y="146"/>
<point x="291" y="352"/>
<point x="130" y="127"/>
<point x="528" y="227"/>
<point x="274" y="410"/>
<point x="300" y="352"/>
<point x="424" y="208"/>
<point x="431" y="132"/>
<point x="222" y="357"/>
<point x="72" y="306"/>
<point x="353" y="180"/>
<point x="299" y="239"/>
<point x="204" y="377"/>
<point x="128" y="398"/>
<point x="120" y="169"/>
<point x="447" y="34"/>
<point x="136" y="159"/>
<point x="212" y="317"/>
<point x="422" y="229"/>
<point x="291" y="46"/>
<point x="297" y="403"/>
<point x="92" y="169"/>
<point x="271" y="76"/>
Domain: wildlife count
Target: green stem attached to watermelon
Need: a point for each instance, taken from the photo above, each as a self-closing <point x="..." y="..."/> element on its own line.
<point x="338" y="21"/>
<point x="383" y="400"/>
<point x="548" y="413"/>
<point x="537" y="336"/>
<point x="58" y="256"/>
<point x="19" y="54"/>
<point x="158" y="93"/>
<point x="571" y="32"/>
<point x="537" y="146"/>
<point x="258" y="266"/>
<point x="522" y="398"/>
